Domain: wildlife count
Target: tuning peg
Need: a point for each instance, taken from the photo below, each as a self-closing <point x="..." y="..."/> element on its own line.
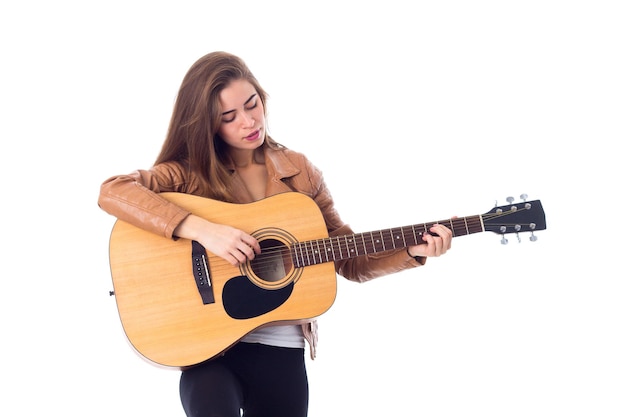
<point x="510" y="200"/>
<point x="504" y="240"/>
<point x="532" y="238"/>
<point x="523" y="197"/>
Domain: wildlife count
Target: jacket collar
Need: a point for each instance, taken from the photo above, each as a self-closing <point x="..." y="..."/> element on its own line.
<point x="279" y="167"/>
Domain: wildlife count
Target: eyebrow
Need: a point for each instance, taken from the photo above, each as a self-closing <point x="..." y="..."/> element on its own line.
<point x="246" y="102"/>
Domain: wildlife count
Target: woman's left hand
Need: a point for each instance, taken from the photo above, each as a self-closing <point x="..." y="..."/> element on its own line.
<point x="436" y="243"/>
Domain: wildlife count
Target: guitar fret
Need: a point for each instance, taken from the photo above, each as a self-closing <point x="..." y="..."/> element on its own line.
<point x="312" y="252"/>
<point x="373" y="243"/>
<point x="308" y="253"/>
<point x="319" y="251"/>
<point x="363" y="242"/>
<point x="316" y="252"/>
<point x="382" y="240"/>
<point x="342" y="249"/>
<point x="368" y="245"/>
<point x="403" y="238"/>
<point x="422" y="233"/>
<point x="395" y="238"/>
<point x="414" y="234"/>
<point x="325" y="249"/>
<point x="302" y="255"/>
<point x="338" y="247"/>
<point x="388" y="239"/>
<point x="479" y="224"/>
<point x="457" y="226"/>
<point x="348" y="250"/>
<point x="473" y="224"/>
<point x="465" y="224"/>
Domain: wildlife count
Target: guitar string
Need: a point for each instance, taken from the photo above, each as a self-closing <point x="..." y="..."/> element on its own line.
<point x="268" y="257"/>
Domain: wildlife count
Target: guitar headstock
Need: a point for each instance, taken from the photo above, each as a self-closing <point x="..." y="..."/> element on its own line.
<point x="526" y="216"/>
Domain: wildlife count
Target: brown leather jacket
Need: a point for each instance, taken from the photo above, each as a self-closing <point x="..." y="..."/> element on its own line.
<point x="134" y="198"/>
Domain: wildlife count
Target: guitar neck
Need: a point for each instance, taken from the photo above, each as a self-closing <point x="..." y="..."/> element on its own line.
<point x="337" y="248"/>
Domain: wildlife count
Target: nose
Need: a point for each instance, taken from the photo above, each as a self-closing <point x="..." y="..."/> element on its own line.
<point x="248" y="120"/>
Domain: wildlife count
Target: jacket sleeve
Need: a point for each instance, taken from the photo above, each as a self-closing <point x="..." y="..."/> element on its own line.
<point x="134" y="198"/>
<point x="362" y="268"/>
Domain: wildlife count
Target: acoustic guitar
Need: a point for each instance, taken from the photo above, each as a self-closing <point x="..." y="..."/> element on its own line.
<point x="181" y="305"/>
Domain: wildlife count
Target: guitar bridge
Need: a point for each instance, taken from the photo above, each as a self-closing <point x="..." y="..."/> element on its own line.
<point x="202" y="276"/>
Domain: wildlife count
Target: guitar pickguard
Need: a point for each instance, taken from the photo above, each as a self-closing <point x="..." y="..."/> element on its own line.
<point x="243" y="299"/>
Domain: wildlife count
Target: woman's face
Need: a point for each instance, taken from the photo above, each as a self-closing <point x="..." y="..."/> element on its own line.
<point x="243" y="116"/>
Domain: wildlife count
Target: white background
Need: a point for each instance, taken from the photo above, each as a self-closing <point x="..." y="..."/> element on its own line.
<point x="414" y="113"/>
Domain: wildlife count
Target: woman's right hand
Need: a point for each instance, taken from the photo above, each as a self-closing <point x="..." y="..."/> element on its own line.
<point x="233" y="245"/>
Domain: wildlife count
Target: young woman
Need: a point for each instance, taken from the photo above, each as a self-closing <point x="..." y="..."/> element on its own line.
<point x="217" y="146"/>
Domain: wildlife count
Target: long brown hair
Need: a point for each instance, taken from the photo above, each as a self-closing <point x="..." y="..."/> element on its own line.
<point x="192" y="137"/>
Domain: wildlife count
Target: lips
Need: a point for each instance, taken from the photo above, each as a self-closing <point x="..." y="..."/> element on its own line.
<point x="253" y="136"/>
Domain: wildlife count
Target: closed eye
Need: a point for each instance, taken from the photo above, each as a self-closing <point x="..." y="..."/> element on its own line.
<point x="250" y="104"/>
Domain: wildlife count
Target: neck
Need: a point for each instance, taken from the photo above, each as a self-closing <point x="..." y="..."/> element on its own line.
<point x="245" y="158"/>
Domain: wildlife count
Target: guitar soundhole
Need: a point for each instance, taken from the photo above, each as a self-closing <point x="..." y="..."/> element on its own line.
<point x="274" y="263"/>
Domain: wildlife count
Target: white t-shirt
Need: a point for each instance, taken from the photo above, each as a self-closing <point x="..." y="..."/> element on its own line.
<point x="284" y="336"/>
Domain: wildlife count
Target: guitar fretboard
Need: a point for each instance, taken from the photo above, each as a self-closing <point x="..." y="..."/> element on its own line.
<point x="329" y="249"/>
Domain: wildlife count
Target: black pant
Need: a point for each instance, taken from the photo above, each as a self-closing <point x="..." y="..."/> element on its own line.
<point x="261" y="380"/>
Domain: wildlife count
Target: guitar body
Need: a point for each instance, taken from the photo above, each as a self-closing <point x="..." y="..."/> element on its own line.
<point x="181" y="305"/>
<point x="159" y="293"/>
